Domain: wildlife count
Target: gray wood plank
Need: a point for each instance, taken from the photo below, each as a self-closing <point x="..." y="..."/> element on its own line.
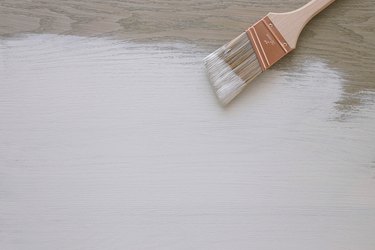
<point x="106" y="144"/>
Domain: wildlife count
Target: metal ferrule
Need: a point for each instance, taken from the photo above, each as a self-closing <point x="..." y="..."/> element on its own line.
<point x="268" y="43"/>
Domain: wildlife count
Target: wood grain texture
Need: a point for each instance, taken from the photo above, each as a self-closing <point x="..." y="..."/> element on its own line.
<point x="343" y="35"/>
<point x="111" y="138"/>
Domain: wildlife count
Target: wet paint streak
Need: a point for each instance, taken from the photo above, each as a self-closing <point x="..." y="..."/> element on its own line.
<point x="113" y="145"/>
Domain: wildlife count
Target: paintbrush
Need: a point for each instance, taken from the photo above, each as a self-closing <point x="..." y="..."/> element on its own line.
<point x="231" y="67"/>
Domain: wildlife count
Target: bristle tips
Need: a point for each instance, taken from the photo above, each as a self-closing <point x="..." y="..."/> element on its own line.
<point x="231" y="67"/>
<point x="225" y="82"/>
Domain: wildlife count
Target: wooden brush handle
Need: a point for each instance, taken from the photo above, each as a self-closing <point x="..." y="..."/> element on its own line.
<point x="290" y="24"/>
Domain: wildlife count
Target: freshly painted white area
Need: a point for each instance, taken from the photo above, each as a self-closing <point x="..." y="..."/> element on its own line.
<point x="113" y="145"/>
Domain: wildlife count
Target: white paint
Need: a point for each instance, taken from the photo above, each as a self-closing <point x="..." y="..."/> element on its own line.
<point x="113" y="145"/>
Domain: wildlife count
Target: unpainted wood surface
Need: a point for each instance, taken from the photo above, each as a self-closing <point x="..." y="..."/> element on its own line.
<point x="343" y="35"/>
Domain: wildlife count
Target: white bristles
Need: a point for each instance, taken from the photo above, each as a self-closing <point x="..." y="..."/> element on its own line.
<point x="225" y="82"/>
<point x="231" y="67"/>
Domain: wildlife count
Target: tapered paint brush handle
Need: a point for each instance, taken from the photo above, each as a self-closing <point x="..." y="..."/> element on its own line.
<point x="231" y="67"/>
<point x="290" y="24"/>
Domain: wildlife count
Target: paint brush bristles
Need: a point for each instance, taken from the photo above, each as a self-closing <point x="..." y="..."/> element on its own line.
<point x="237" y="63"/>
<point x="234" y="65"/>
<point x="231" y="67"/>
